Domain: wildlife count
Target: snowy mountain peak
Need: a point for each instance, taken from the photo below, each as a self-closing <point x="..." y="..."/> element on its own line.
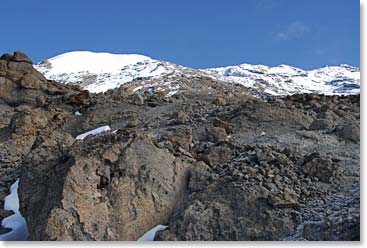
<point x="93" y="62"/>
<point x="99" y="72"/>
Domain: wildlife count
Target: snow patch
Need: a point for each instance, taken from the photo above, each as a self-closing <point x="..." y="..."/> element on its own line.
<point x="93" y="132"/>
<point x="149" y="236"/>
<point x="77" y="113"/>
<point x="171" y="93"/>
<point x="137" y="89"/>
<point x="16" y="222"/>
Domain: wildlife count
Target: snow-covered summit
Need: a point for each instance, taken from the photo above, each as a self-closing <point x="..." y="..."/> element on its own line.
<point x="99" y="72"/>
<point x="78" y="61"/>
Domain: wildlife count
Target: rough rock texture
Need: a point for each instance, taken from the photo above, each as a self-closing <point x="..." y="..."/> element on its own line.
<point x="120" y="191"/>
<point x="261" y="195"/>
<point x="29" y="106"/>
<point x="218" y="166"/>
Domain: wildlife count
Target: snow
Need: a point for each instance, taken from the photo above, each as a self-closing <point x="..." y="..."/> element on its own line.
<point x="99" y="72"/>
<point x="137" y="88"/>
<point x="94" y="132"/>
<point x="78" y="61"/>
<point x="102" y="71"/>
<point x="77" y="113"/>
<point x="149" y="236"/>
<point x="287" y="80"/>
<point x="15" y="222"/>
<point x="171" y="93"/>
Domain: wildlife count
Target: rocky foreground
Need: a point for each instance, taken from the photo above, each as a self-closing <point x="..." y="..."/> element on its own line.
<point x="211" y="162"/>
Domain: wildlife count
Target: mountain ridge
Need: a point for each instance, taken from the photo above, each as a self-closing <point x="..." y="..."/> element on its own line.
<point x="99" y="72"/>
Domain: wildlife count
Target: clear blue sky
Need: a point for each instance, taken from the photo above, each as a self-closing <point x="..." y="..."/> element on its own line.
<point x="195" y="33"/>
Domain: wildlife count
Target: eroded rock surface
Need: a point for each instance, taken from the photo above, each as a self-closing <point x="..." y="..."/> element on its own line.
<point x="126" y="186"/>
<point x="29" y="106"/>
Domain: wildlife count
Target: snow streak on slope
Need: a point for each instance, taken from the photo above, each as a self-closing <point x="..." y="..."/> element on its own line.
<point x="93" y="132"/>
<point x="99" y="72"/>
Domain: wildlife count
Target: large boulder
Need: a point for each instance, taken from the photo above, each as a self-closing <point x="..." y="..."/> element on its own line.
<point x="113" y="187"/>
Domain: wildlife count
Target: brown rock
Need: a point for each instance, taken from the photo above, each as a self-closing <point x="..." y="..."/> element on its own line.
<point x="180" y="117"/>
<point x="40" y="101"/>
<point x="112" y="154"/>
<point x="180" y="136"/>
<point x="6" y="57"/>
<point x="6" y="88"/>
<point x="321" y="167"/>
<point x="219" y="101"/>
<point x="21" y="57"/>
<point x="28" y="121"/>
<point x="279" y="202"/>
<point x="89" y="201"/>
<point x="219" y="154"/>
<point x="30" y="81"/>
<point x="216" y="134"/>
<point x="80" y="98"/>
<point x="220" y="123"/>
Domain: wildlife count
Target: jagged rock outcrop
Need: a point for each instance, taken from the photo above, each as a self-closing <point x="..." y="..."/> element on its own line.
<point x="262" y="194"/>
<point x="29" y="106"/>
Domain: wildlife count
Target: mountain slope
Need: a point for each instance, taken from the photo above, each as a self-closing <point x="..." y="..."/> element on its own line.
<point x="99" y="72"/>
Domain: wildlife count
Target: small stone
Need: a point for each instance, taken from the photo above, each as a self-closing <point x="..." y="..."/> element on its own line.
<point x="180" y="117"/>
<point x="112" y="154"/>
<point x="227" y="126"/>
<point x="40" y="101"/>
<point x="219" y="101"/>
<point x="320" y="124"/>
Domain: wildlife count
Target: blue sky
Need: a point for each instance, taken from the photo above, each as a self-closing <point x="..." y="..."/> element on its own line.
<point x="306" y="34"/>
